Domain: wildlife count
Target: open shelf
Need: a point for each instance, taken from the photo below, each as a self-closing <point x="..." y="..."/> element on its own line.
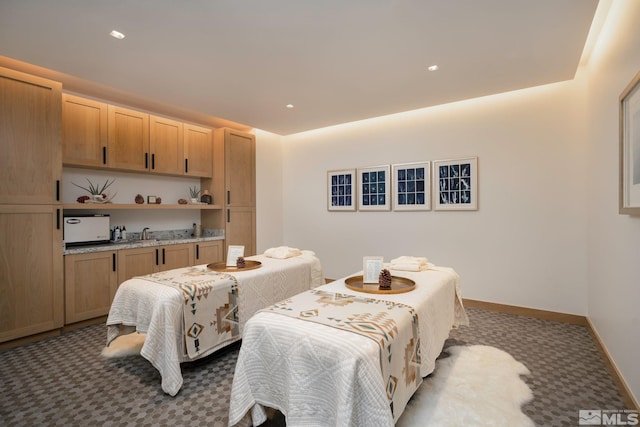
<point x="122" y="206"/>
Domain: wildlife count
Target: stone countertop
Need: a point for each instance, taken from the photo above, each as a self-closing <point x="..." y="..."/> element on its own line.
<point x="132" y="244"/>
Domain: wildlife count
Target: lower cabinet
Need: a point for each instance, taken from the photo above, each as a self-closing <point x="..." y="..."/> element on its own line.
<point x="141" y="261"/>
<point x="91" y="281"/>
<point x="208" y="252"/>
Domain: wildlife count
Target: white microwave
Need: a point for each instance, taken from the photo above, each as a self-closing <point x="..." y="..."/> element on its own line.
<point x="86" y="229"/>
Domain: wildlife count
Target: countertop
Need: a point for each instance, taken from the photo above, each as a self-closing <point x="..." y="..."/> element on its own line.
<point x="132" y="244"/>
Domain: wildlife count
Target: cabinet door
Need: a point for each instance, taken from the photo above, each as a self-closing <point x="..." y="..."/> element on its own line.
<point x="165" y="145"/>
<point x="176" y="256"/>
<point x="128" y="139"/>
<point x="241" y="229"/>
<point x="30" y="139"/>
<point x="240" y="168"/>
<point x="198" y="151"/>
<point x="31" y="271"/>
<point x="208" y="252"/>
<point x="84" y="132"/>
<point x="90" y="283"/>
<point x="137" y="262"/>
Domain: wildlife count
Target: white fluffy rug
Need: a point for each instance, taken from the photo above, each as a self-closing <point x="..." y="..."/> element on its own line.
<point x="124" y="345"/>
<point x="475" y="386"/>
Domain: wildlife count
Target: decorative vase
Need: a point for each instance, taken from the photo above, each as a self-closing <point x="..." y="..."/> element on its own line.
<point x="206" y="197"/>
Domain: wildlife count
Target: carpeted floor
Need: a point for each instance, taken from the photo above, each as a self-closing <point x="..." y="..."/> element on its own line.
<point x="63" y="381"/>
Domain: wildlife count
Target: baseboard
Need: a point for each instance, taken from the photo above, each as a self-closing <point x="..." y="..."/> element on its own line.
<point x="625" y="392"/>
<point x="527" y="312"/>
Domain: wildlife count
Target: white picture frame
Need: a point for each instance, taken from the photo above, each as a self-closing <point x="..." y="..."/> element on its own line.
<point x="374" y="188"/>
<point x="233" y="253"/>
<point x="412" y="186"/>
<point x="629" y="170"/>
<point x="341" y="190"/>
<point x="455" y="184"/>
<point x="371" y="267"/>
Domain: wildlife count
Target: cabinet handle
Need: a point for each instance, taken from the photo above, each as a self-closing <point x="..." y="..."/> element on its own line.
<point x="228" y="197"/>
<point x="186" y="165"/>
<point x="104" y="155"/>
<point x="157" y="257"/>
<point x="57" y="219"/>
<point x="153" y="161"/>
<point x="228" y="215"/>
<point x="163" y="260"/>
<point x="146" y="160"/>
<point x="113" y="261"/>
<point x="197" y="251"/>
<point x="57" y="190"/>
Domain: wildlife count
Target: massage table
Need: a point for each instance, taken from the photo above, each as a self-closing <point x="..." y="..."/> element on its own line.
<point x="189" y="313"/>
<point x="317" y="374"/>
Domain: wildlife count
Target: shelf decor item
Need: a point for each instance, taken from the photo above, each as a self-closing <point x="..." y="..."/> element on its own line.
<point x="206" y="197"/>
<point x="629" y="174"/>
<point x="193" y="194"/>
<point x="374" y="185"/>
<point x="455" y="184"/>
<point x="341" y="190"/>
<point x="98" y="192"/>
<point x="139" y="199"/>
<point x="412" y="186"/>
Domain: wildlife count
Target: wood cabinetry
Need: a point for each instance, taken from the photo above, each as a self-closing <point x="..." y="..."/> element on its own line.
<point x="198" y="151"/>
<point x="142" y="261"/>
<point x="84" y="132"/>
<point x="234" y="184"/>
<point x="31" y="271"/>
<point x="91" y="281"/>
<point x="166" y="145"/>
<point x="208" y="252"/>
<point x="175" y="256"/>
<point x="128" y="146"/>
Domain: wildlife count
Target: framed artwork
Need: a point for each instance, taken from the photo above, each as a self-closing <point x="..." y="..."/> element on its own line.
<point x="341" y="190"/>
<point x="455" y="184"/>
<point x="375" y="188"/>
<point x="629" y="187"/>
<point x="412" y="186"/>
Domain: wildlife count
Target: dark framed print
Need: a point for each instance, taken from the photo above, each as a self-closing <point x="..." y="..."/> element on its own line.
<point x="374" y="185"/>
<point x="341" y="190"/>
<point x="629" y="187"/>
<point x="455" y="184"/>
<point x="412" y="186"/>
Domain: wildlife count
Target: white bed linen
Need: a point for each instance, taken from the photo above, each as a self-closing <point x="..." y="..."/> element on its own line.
<point x="318" y="375"/>
<point x="157" y="310"/>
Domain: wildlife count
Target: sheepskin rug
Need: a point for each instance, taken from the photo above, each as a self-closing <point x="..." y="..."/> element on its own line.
<point x="474" y="386"/>
<point x="124" y="345"/>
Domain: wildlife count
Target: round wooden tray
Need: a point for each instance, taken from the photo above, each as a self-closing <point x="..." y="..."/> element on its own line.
<point x="398" y="285"/>
<point x="222" y="266"/>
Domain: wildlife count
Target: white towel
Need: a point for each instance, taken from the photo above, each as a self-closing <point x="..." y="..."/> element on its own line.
<point x="409" y="263"/>
<point x="282" y="252"/>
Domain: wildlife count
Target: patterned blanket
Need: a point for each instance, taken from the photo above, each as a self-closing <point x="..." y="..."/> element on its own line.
<point x="210" y="306"/>
<point x="393" y="326"/>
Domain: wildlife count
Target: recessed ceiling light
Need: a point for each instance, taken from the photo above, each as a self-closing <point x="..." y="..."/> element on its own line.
<point x="289" y="105"/>
<point x="433" y="68"/>
<point x="116" y="34"/>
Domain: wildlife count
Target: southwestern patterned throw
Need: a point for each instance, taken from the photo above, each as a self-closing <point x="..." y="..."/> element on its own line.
<point x="210" y="306"/>
<point x="394" y="326"/>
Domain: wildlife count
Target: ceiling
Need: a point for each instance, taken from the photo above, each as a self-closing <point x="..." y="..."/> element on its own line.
<point x="336" y="61"/>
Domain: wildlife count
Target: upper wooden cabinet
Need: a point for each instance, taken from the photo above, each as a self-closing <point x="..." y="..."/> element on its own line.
<point x="166" y="145"/>
<point x="30" y="139"/>
<point x="100" y="135"/>
<point x="198" y="151"/>
<point x="239" y="167"/>
<point x="128" y="139"/>
<point x="84" y="131"/>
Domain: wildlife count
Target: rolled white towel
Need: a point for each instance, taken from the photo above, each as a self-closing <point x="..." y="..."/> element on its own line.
<point x="282" y="252"/>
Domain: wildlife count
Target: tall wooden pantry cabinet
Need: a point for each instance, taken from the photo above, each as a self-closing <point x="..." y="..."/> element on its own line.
<point x="31" y="266"/>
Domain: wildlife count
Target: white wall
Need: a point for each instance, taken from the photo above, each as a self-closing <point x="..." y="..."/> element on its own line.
<point x="613" y="240"/>
<point x="525" y="246"/>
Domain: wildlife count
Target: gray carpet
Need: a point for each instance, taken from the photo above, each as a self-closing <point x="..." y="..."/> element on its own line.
<point x="63" y="381"/>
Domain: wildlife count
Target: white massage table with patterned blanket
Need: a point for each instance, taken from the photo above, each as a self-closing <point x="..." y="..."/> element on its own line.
<point x="189" y="313"/>
<point x="339" y="357"/>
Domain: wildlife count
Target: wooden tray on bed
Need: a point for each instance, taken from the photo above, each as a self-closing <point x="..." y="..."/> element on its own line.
<point x="222" y="267"/>
<point x="398" y="285"/>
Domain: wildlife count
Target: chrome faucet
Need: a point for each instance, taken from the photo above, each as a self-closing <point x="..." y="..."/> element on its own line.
<point x="145" y="234"/>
